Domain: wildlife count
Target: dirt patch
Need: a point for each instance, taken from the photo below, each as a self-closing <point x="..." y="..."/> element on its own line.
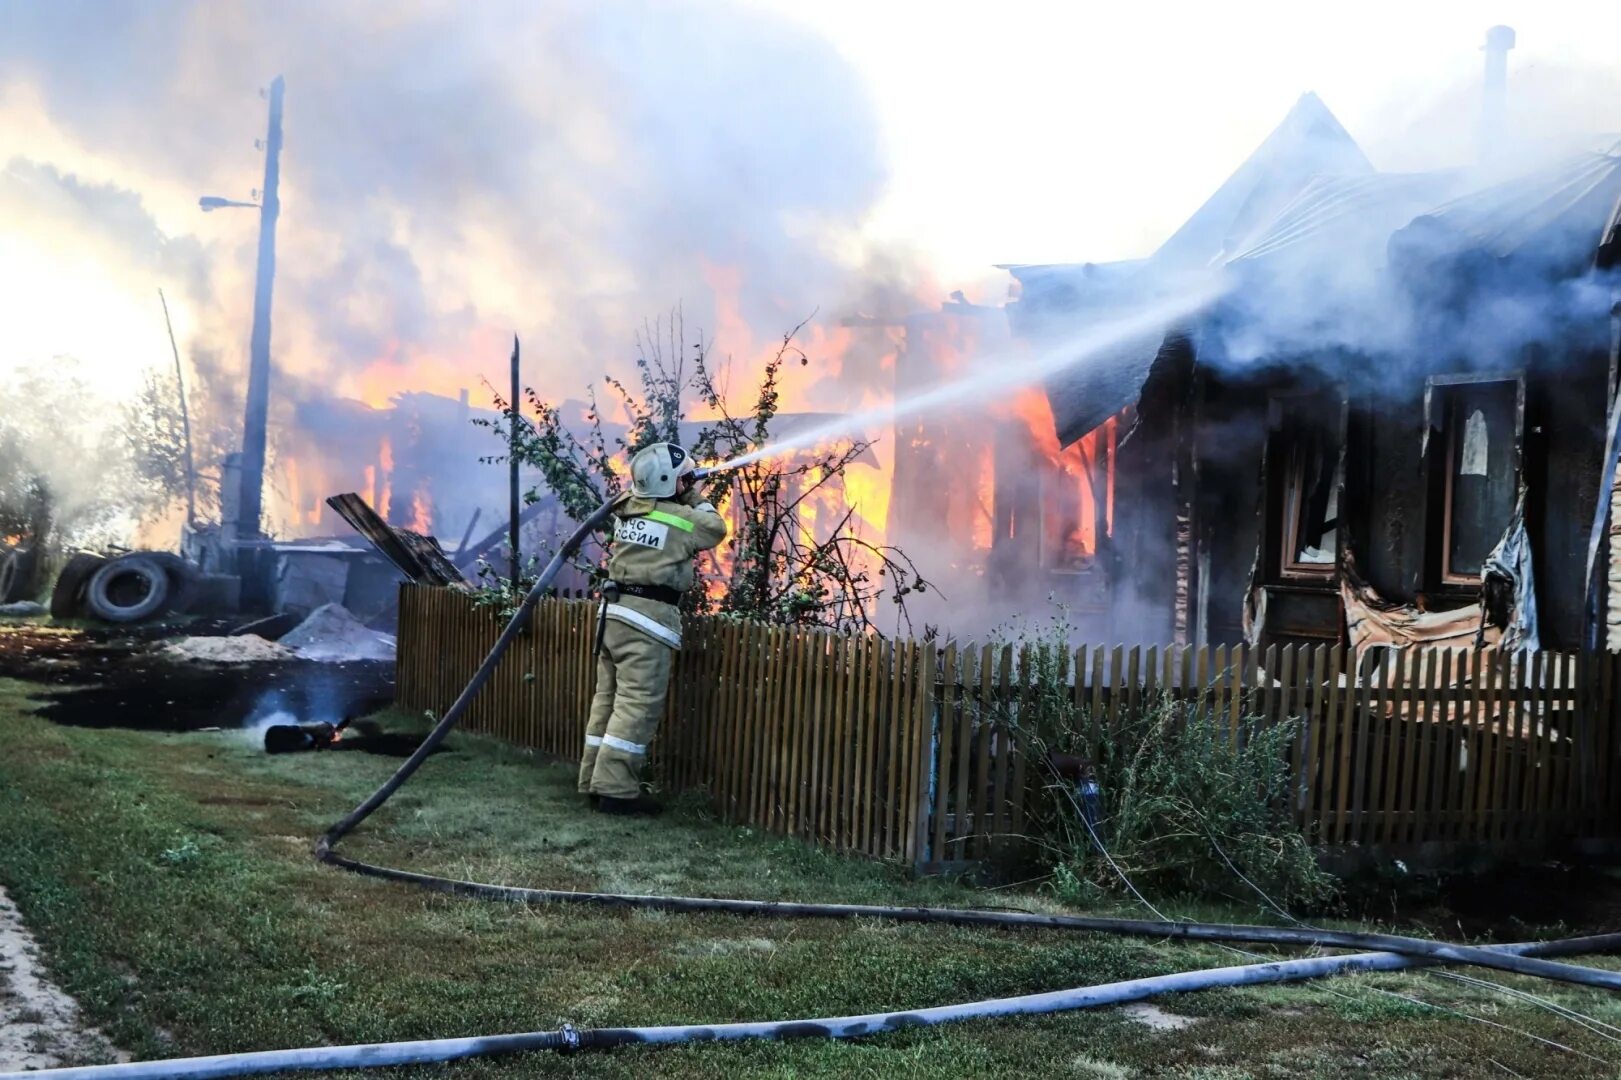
<point x="239" y="649"/>
<point x="1152" y="1016"/>
<point x="40" y="1027"/>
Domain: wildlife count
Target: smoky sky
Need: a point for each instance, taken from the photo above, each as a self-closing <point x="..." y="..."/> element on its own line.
<point x="588" y="159"/>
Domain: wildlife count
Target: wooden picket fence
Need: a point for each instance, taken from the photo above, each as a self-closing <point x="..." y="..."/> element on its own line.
<point x="913" y="750"/>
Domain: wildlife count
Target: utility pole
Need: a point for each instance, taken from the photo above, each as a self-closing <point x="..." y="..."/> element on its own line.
<point x="185" y="417"/>
<point x="256" y="420"/>
<point x="512" y="473"/>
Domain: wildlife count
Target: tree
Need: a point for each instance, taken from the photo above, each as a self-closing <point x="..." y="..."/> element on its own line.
<point x="63" y="469"/>
<point x="777" y="564"/>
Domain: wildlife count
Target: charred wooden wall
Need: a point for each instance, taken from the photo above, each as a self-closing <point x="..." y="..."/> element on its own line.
<point x="1390" y="517"/>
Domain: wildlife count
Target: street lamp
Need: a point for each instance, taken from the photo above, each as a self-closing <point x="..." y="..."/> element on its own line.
<point x="256" y="416"/>
<point x="214" y="202"/>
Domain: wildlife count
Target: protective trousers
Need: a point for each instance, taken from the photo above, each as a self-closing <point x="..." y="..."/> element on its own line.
<point x="633" y="673"/>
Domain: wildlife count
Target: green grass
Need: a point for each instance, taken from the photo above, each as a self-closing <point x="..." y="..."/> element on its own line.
<point x="170" y="880"/>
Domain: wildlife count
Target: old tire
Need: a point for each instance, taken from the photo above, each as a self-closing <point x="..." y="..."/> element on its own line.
<point x="128" y="589"/>
<point x="67" y="599"/>
<point x="184" y="578"/>
<point x="11" y="576"/>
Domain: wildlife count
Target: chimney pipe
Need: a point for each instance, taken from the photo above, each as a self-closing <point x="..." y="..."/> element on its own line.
<point x="1499" y="40"/>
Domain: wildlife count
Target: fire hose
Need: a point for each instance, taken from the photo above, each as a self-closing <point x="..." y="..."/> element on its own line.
<point x="1385" y="952"/>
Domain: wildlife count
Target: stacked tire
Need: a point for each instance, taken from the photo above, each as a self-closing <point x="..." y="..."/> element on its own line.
<point x="131" y="588"/>
<point x="16" y="574"/>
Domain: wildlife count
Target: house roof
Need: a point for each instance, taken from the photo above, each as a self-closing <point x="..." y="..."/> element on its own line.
<point x="1309" y="143"/>
<point x="1560" y="215"/>
<point x="1353" y="216"/>
<point x="1308" y="193"/>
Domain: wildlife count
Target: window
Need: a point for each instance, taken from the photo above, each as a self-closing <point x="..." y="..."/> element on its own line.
<point x="1077" y="498"/>
<point x="1480" y="422"/>
<point x="1308" y="430"/>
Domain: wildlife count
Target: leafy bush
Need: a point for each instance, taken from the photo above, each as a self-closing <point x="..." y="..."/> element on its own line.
<point x="1183" y="803"/>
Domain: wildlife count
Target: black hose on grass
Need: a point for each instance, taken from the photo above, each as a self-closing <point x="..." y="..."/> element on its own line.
<point x="1393" y="952"/>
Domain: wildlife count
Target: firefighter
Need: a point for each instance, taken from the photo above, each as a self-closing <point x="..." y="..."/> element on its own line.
<point x="660" y="524"/>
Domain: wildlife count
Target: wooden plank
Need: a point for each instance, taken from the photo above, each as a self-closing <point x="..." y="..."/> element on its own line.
<point x="1511" y="772"/>
<point x="1480" y="825"/>
<point x="1151" y="674"/>
<point x="848" y="729"/>
<point x="801" y="722"/>
<point x="1217" y="685"/>
<point x="810" y="732"/>
<point x="1575" y="667"/>
<point x="922" y="661"/>
<point x="733" y="749"/>
<point x="962" y="807"/>
<point x="1097" y="720"/>
<point x="1359" y="717"/>
<point x="983" y="770"/>
<point x="1380" y="746"/>
<point x="1308" y="740"/>
<point x="883" y="729"/>
<point x="1134" y="700"/>
<point x="1117" y="692"/>
<point x="1285" y="699"/>
<point x="869" y="707"/>
<point x="1404" y="750"/>
<point x="1266" y="692"/>
<point x="816" y="752"/>
<point x="1018" y="745"/>
<point x="1249" y="690"/>
<point x="1422" y="727"/>
<point x="1350" y="726"/>
<point x="770" y="721"/>
<point x="1395" y="745"/>
<point x="1445" y="758"/>
<point x="1323" y="756"/>
<point x="1410" y="722"/>
<point x="1235" y="690"/>
<point x="948" y="705"/>
<point x="1005" y="688"/>
<point x="1078" y="700"/>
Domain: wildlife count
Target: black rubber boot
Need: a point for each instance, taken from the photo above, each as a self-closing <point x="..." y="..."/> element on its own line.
<point x="640" y="806"/>
<point x="592" y="798"/>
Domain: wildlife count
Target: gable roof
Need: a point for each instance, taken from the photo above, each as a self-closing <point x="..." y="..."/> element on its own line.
<point x="1309" y="143"/>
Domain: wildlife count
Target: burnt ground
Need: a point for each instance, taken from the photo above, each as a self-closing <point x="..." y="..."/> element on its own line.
<point x="102" y="677"/>
<point x="1503" y="901"/>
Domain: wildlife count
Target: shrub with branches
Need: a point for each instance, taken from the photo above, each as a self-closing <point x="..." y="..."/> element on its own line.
<point x="774" y="565"/>
<point x="1182" y="803"/>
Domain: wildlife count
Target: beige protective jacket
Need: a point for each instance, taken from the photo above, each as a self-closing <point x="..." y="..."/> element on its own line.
<point x="654" y="543"/>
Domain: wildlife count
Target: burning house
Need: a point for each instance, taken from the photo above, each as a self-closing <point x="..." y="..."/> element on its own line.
<point x="1389" y="427"/>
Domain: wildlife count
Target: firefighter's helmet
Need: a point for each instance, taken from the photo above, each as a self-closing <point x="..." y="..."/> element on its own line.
<point x="656" y="469"/>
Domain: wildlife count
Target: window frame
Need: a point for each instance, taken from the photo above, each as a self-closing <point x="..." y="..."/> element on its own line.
<point x="1283" y="524"/>
<point x="1105" y="464"/>
<point x="1437" y="390"/>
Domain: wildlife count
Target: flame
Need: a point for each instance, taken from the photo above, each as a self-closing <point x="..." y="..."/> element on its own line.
<point x="421" y="514"/>
<point x="1078" y="489"/>
<point x="385" y="469"/>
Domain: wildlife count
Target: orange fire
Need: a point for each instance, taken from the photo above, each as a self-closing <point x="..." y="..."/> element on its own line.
<point x="421" y="514"/>
<point x="385" y="469"/>
<point x="1080" y="499"/>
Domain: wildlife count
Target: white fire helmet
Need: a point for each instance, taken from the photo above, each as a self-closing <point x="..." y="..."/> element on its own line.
<point x="655" y="470"/>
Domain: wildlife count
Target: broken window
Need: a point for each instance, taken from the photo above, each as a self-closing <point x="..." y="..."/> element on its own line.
<point x="1077" y="498"/>
<point x="1308" y="430"/>
<point x="1480" y="423"/>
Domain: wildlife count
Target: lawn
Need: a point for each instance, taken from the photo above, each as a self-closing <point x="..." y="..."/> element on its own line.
<point x="170" y="879"/>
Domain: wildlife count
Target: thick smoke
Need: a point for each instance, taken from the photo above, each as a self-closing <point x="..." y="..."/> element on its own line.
<point x="559" y="170"/>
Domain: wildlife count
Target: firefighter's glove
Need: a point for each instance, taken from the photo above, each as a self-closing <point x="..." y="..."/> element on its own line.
<point x="690" y="495"/>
